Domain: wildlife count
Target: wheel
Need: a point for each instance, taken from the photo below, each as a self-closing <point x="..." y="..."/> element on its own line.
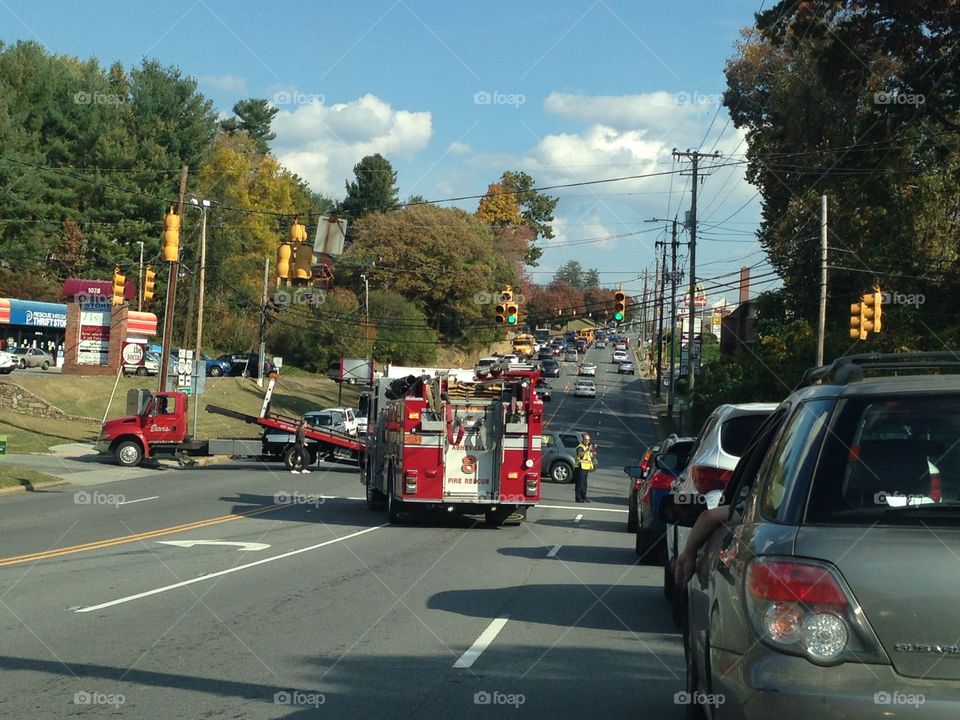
<point x="23" y="364"/>
<point x="141" y="371"/>
<point x="375" y="498"/>
<point x="632" y="518"/>
<point x="496" y="518"/>
<point x="351" y="381"/>
<point x="128" y="453"/>
<point x="287" y="456"/>
<point x="667" y="579"/>
<point x="644" y="546"/>
<point x="561" y="472"/>
<point x="695" y="710"/>
<point x="216" y="371"/>
<point x="45" y="366"/>
<point x="394" y="506"/>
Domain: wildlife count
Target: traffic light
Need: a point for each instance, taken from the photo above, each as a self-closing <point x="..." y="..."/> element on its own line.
<point x="118" y="283"/>
<point x="298" y="233"/>
<point x="513" y="313"/>
<point x="865" y="316"/>
<point x="283" y="261"/>
<point x="504" y="302"/>
<point x="148" y="283"/>
<point x="619" y="305"/>
<point x="171" y="236"/>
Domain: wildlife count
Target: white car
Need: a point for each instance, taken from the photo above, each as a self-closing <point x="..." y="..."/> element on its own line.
<point x="485" y="365"/>
<point x="620" y="356"/>
<point x="587" y="369"/>
<point x="7" y="363"/>
<point x="585" y="388"/>
<point x="722" y="440"/>
<point x="346" y="416"/>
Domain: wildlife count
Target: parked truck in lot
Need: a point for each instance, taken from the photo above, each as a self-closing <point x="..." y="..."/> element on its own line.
<point x="158" y="426"/>
<point x="454" y="442"/>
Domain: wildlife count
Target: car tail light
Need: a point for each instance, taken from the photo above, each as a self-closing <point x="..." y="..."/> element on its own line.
<point x="804" y="608"/>
<point x="532" y="484"/>
<point x="706" y="478"/>
<point x="645" y="461"/>
<point x="936" y="491"/>
<point x="661" y="480"/>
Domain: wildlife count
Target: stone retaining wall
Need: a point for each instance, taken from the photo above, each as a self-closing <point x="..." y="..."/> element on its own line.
<point x="24" y="402"/>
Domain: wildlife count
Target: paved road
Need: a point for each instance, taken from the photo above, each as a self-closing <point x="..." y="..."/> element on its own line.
<point x="341" y="615"/>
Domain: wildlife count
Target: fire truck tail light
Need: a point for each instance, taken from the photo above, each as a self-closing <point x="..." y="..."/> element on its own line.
<point x="413" y="416"/>
<point x="513" y="476"/>
<point x="410" y="481"/>
<point x="532" y="484"/>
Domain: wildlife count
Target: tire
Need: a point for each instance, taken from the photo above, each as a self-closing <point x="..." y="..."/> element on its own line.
<point x="23" y="364"/>
<point x="287" y="456"/>
<point x="375" y="499"/>
<point x="667" y="579"/>
<point x="128" y="453"/>
<point x="561" y="472"/>
<point x="496" y="518"/>
<point x="394" y="506"/>
<point x="695" y="710"/>
<point x="45" y="366"/>
<point x="141" y="371"/>
<point x="216" y="371"/>
<point x="644" y="547"/>
<point x="632" y="519"/>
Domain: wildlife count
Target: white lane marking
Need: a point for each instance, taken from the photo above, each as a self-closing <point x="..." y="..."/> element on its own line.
<point x="481" y="643"/>
<point x="131" y="502"/>
<point x="241" y="546"/>
<point x="238" y="568"/>
<point x="578" y="518"/>
<point x="554" y="550"/>
<point x="594" y="509"/>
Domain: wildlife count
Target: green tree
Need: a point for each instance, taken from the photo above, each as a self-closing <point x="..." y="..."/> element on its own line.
<point x="443" y="260"/>
<point x="535" y="207"/>
<point x="402" y="334"/>
<point x="374" y="188"/>
<point x="253" y="116"/>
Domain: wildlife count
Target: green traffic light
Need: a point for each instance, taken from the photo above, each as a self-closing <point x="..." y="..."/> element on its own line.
<point x="618" y="316"/>
<point x="512" y="319"/>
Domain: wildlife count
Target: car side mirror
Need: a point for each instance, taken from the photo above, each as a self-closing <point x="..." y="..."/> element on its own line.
<point x="684" y="514"/>
<point x="667" y="461"/>
<point x="633" y="471"/>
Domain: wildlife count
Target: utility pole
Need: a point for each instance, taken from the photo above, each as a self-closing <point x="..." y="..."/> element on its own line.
<point x="673" y="318"/>
<point x="663" y="287"/>
<point x="643" y="304"/>
<point x="140" y="281"/>
<point x="694" y="156"/>
<point x="171" y="294"/>
<point x="263" y="321"/>
<point x="822" y="329"/>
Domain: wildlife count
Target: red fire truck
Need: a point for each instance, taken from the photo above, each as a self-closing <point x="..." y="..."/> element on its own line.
<point x="156" y="424"/>
<point x="449" y="440"/>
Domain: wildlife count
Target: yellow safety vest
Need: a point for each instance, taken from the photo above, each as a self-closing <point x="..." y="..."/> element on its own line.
<point x="584" y="462"/>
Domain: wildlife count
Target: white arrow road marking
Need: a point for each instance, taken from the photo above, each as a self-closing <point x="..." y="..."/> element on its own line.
<point x="481" y="643"/>
<point x="131" y="502"/>
<point x="241" y="546"/>
<point x="228" y="571"/>
<point x="554" y="550"/>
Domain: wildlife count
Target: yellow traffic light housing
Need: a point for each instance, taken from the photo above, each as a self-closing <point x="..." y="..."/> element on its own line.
<point x="513" y="313"/>
<point x="171" y="236"/>
<point x="866" y="315"/>
<point x="619" y="305"/>
<point x="284" y="253"/>
<point x="503" y="304"/>
<point x="298" y="233"/>
<point x="149" y="280"/>
<point x="119" y="281"/>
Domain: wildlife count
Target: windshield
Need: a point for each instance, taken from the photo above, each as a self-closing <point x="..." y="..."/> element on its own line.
<point x="888" y="459"/>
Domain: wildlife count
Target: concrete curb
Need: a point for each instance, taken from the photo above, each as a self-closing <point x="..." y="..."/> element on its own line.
<point x="32" y="487"/>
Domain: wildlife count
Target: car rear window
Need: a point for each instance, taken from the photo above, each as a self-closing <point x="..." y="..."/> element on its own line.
<point x="736" y="432"/>
<point x="890" y="461"/>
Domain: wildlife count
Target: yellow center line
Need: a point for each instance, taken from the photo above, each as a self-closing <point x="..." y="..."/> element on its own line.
<point x="110" y="542"/>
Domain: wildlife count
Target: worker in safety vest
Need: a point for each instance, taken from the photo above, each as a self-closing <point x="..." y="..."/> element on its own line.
<point x="586" y="459"/>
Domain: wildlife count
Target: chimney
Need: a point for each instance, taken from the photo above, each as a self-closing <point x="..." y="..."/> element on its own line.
<point x="744" y="284"/>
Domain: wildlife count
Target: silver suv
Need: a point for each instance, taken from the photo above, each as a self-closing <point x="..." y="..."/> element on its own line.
<point x="558" y="454"/>
<point x="831" y="590"/>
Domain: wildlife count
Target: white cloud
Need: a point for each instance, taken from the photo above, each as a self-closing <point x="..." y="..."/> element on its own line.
<point x="457" y="148"/>
<point x="227" y="83"/>
<point x="322" y="143"/>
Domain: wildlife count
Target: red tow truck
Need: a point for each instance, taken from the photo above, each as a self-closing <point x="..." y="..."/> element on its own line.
<point x="159" y="427"/>
<point x="455" y="442"/>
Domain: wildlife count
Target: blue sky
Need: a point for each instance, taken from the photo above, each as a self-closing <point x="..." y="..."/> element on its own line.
<point x="454" y="93"/>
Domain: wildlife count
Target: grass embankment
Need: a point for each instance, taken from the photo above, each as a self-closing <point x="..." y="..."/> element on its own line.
<point x="11" y="476"/>
<point x="91" y="397"/>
